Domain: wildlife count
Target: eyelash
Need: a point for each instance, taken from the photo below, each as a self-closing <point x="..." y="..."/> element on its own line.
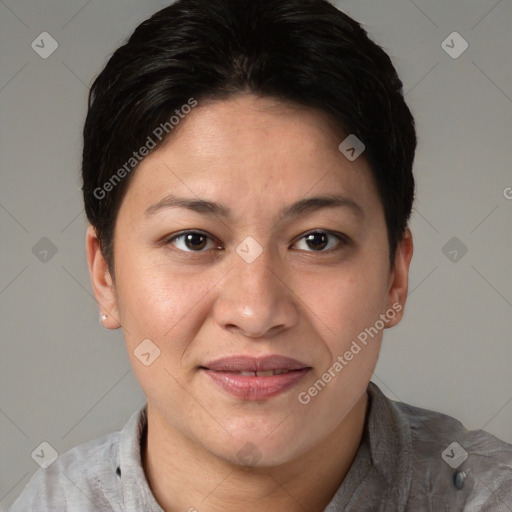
<point x="343" y="239"/>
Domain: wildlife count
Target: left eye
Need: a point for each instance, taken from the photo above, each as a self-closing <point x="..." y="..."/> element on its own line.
<point x="319" y="240"/>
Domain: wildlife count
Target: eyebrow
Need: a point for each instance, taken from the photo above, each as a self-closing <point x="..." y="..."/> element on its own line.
<point x="303" y="206"/>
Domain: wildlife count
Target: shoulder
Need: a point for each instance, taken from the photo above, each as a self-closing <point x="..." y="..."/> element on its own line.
<point x="75" y="481"/>
<point x="471" y="469"/>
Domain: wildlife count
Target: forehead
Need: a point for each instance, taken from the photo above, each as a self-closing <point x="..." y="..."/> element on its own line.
<point x="253" y="154"/>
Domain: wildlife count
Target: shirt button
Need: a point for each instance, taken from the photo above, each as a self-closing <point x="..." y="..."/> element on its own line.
<point x="458" y="479"/>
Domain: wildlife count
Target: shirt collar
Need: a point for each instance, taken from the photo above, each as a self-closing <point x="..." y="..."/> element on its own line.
<point x="383" y="459"/>
<point x="382" y="468"/>
<point x="137" y="494"/>
<point x="390" y="444"/>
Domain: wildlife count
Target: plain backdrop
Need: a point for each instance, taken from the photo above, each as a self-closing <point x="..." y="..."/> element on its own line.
<point x="65" y="380"/>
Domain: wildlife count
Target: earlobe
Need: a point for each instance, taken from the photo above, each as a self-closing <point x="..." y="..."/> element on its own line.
<point x="102" y="283"/>
<point x="399" y="283"/>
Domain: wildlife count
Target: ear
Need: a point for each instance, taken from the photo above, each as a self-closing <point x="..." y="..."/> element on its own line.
<point x="102" y="283"/>
<point x="399" y="278"/>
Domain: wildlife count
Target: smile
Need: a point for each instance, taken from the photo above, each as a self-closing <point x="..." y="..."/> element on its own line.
<point x="259" y="385"/>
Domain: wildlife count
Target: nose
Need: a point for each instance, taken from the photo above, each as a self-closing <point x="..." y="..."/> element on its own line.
<point x="254" y="299"/>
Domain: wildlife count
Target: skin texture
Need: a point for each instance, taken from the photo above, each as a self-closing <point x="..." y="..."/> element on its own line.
<point x="255" y="156"/>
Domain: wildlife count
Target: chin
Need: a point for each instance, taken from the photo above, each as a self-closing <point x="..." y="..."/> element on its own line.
<point x="260" y="450"/>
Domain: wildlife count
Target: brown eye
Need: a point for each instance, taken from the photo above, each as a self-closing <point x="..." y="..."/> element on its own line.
<point x="190" y="241"/>
<point x="195" y="241"/>
<point x="317" y="241"/>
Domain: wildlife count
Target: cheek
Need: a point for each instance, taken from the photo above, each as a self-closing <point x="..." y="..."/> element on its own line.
<point x="160" y="303"/>
<point x="347" y="312"/>
<point x="351" y="299"/>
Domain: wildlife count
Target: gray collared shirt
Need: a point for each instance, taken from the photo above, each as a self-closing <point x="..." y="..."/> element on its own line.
<point x="404" y="463"/>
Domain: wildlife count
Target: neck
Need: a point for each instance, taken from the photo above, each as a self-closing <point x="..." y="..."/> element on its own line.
<point x="184" y="476"/>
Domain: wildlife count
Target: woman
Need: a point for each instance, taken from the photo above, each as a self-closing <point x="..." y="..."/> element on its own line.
<point x="247" y="171"/>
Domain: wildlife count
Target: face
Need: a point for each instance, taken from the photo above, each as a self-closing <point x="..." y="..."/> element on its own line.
<point x="244" y="273"/>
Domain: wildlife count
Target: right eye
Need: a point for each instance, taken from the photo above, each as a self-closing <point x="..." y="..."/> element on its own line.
<point x="190" y="241"/>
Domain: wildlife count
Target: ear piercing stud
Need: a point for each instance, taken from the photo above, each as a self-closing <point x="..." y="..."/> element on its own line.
<point x="103" y="317"/>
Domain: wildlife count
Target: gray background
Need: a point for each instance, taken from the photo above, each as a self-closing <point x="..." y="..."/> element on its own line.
<point x="65" y="380"/>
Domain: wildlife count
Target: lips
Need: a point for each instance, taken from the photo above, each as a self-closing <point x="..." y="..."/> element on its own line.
<point x="250" y="378"/>
<point x="265" y="373"/>
<point x="238" y="364"/>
